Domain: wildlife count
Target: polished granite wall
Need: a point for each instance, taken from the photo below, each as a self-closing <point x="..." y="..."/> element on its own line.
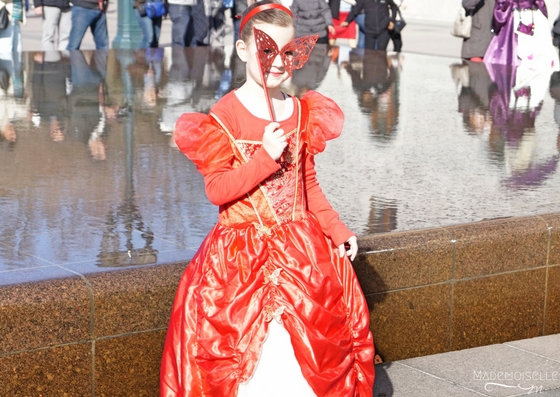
<point x="428" y="291"/>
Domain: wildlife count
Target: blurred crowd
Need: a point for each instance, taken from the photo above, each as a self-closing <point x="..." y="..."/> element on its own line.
<point x="365" y="23"/>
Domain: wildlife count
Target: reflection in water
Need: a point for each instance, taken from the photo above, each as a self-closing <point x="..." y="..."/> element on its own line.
<point x="128" y="213"/>
<point x="375" y="81"/>
<point x="501" y="103"/>
<point x="382" y="216"/>
<point x="12" y="105"/>
<point x="89" y="100"/>
<point x="146" y="74"/>
<point x="50" y="87"/>
<point x="310" y="76"/>
<point x="71" y="123"/>
<point x="197" y="78"/>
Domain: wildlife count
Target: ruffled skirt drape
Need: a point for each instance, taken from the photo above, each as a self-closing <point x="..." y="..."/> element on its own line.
<point x="237" y="283"/>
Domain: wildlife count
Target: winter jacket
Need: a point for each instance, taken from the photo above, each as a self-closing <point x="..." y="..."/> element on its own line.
<point x="64" y="5"/>
<point x="335" y="8"/>
<point x="311" y="17"/>
<point x="482" y="12"/>
<point x="377" y="14"/>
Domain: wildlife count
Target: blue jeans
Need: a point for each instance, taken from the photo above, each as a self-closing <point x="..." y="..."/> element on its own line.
<point x="360" y="21"/>
<point x="182" y="30"/>
<point x="84" y="18"/>
<point x="150" y="30"/>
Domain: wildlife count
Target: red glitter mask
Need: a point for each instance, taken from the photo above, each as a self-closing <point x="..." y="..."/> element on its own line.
<point x="294" y="54"/>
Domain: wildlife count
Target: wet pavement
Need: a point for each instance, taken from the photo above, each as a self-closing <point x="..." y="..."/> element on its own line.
<point x="90" y="178"/>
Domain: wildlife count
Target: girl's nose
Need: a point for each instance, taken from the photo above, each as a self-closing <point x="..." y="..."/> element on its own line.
<point x="278" y="62"/>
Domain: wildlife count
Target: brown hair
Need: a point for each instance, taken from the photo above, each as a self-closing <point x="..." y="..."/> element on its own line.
<point x="271" y="16"/>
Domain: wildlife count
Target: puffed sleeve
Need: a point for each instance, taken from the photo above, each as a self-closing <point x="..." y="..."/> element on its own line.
<point x="325" y="121"/>
<point x="203" y="141"/>
<point x="199" y="137"/>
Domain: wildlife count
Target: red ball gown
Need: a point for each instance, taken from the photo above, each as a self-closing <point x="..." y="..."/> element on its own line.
<point x="272" y="256"/>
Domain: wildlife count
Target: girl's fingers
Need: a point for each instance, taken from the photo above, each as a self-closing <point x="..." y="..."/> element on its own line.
<point x="341" y="250"/>
<point x="353" y="249"/>
<point x="353" y="252"/>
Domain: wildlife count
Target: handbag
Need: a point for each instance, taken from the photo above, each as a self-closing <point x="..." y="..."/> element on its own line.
<point x="399" y="23"/>
<point x="4" y="18"/>
<point x="151" y="8"/>
<point x="156" y="9"/>
<point x="462" y="25"/>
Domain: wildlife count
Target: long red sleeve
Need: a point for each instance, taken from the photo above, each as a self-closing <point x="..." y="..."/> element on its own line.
<point x="227" y="183"/>
<point x="318" y="204"/>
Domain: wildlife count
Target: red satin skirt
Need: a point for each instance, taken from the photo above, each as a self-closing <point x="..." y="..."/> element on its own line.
<point x="239" y="281"/>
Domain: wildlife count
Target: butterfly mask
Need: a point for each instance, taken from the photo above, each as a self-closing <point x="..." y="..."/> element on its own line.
<point x="294" y="54"/>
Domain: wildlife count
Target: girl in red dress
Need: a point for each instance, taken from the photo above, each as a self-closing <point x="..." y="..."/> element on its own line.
<point x="269" y="305"/>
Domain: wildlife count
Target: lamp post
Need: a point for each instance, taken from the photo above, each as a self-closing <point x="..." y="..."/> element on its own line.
<point x="129" y="34"/>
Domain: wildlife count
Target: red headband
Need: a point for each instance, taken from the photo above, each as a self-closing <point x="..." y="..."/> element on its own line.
<point x="260" y="8"/>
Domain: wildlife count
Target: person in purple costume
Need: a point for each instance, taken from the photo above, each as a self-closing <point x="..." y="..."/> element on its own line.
<point x="503" y="48"/>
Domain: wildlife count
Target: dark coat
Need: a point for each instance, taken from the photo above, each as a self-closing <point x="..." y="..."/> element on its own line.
<point x="334" y="5"/>
<point x="377" y="14"/>
<point x="311" y="17"/>
<point x="482" y="12"/>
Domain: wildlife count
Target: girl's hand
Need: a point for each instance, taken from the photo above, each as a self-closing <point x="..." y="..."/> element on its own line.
<point x="274" y="140"/>
<point x="352" y="243"/>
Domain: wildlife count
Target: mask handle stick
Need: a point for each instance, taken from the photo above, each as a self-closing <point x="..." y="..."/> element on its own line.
<point x="263" y="81"/>
<point x="266" y="94"/>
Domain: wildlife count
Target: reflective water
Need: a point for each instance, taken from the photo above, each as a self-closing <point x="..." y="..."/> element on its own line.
<point x="90" y="178"/>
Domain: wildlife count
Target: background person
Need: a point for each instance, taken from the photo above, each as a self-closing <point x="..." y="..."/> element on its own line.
<point x="482" y="12"/>
<point x="190" y="22"/>
<point x="339" y="11"/>
<point x="379" y="20"/>
<point x="151" y="27"/>
<point x="396" y="37"/>
<point x="522" y="34"/>
<point x="313" y="17"/>
<point x="86" y="14"/>
<point x="57" y="16"/>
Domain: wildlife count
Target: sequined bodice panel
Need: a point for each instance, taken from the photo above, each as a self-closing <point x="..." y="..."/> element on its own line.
<point x="283" y="190"/>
